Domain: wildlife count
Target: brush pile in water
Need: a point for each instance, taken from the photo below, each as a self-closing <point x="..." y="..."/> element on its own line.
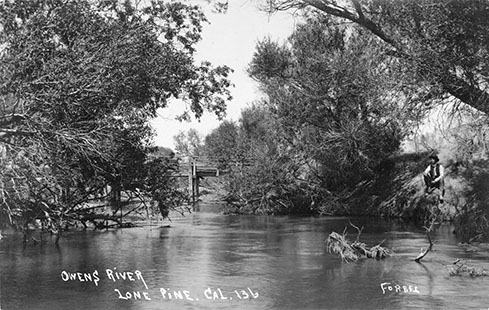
<point x="460" y="268"/>
<point x="352" y="251"/>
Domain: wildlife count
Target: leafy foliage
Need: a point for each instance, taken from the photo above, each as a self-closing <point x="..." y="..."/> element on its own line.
<point x="330" y="119"/>
<point x="334" y="103"/>
<point x="188" y="144"/>
<point x="79" y="82"/>
<point x="440" y="47"/>
<point x="222" y="145"/>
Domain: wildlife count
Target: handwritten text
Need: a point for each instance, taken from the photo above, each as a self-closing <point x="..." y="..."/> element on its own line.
<point x="388" y="287"/>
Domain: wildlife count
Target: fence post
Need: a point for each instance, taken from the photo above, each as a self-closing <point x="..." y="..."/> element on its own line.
<point x="190" y="179"/>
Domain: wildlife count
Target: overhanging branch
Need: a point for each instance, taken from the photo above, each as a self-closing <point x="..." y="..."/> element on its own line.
<point x="471" y="95"/>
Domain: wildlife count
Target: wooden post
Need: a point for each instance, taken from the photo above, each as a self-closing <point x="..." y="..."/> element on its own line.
<point x="196" y="182"/>
<point x="196" y="188"/>
<point x="193" y="180"/>
<point x="190" y="179"/>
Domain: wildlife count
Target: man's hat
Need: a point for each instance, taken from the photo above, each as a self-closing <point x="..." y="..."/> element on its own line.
<point x="434" y="157"/>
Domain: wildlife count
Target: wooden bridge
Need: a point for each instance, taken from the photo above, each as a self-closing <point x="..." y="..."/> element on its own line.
<point x="194" y="171"/>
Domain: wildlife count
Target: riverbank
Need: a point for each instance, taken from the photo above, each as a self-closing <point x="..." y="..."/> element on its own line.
<point x="398" y="192"/>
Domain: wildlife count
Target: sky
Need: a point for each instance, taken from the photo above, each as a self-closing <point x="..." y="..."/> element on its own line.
<point x="229" y="39"/>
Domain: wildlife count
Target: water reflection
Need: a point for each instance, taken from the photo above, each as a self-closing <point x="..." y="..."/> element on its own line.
<point x="207" y="254"/>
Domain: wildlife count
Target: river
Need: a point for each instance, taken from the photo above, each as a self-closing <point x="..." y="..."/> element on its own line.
<point x="207" y="260"/>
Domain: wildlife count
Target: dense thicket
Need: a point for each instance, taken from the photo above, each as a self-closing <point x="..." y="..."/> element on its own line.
<point x="333" y="114"/>
<point x="79" y="81"/>
<point x="442" y="49"/>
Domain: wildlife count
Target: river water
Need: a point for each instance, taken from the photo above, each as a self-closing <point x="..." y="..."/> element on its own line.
<point x="207" y="260"/>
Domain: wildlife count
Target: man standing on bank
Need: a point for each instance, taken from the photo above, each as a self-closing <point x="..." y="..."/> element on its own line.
<point x="434" y="177"/>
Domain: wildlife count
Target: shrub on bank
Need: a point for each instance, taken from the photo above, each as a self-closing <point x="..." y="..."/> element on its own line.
<point x="397" y="191"/>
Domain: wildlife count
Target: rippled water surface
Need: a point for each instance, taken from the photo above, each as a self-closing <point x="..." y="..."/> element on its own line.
<point x="207" y="260"/>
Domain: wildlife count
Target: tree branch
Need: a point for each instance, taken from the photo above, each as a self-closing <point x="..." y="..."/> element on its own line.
<point x="452" y="84"/>
<point x="358" y="18"/>
<point x="428" y="231"/>
<point x="6" y="120"/>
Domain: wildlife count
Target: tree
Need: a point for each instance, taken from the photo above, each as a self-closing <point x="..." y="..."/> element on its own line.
<point x="221" y="145"/>
<point x="442" y="45"/>
<point x="79" y="82"/>
<point x="189" y="144"/>
<point x="334" y="101"/>
<point x="331" y="117"/>
<point x="261" y="177"/>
